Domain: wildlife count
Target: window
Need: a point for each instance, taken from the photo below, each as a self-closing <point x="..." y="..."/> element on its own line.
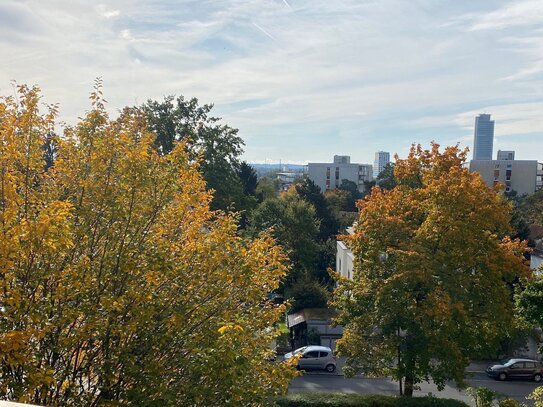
<point x="497" y="166"/>
<point x="529" y="365"/>
<point x="496" y="174"/>
<point x="508" y="173"/>
<point x="516" y="366"/>
<point x="312" y="354"/>
<point x="337" y="173"/>
<point x="323" y="354"/>
<point x="327" y="172"/>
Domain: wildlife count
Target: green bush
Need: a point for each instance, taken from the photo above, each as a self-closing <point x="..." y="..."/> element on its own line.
<point x="362" y="400"/>
<point x="508" y="403"/>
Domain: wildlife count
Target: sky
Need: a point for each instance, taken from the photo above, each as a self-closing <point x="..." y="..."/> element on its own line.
<point x="302" y="80"/>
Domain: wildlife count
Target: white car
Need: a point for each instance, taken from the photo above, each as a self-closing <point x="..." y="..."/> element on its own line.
<point x="314" y="357"/>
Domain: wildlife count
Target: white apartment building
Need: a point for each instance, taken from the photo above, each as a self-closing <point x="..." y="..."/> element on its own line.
<point x="328" y="176"/>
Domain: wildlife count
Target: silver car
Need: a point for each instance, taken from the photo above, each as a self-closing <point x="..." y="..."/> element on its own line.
<point x="314" y="357"/>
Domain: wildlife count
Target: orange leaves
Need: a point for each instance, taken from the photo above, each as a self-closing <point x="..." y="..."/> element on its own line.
<point x="432" y="260"/>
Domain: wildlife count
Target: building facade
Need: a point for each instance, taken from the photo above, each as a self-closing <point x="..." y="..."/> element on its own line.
<point x="483" y="137"/>
<point x="506" y="155"/>
<point x="328" y="176"/>
<point x="522" y="176"/>
<point x="382" y="158"/>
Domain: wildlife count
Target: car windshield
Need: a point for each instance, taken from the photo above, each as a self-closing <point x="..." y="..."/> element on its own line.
<point x="299" y="350"/>
<point x="509" y="363"/>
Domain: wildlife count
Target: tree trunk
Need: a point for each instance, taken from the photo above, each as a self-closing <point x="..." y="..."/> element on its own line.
<point x="408" y="387"/>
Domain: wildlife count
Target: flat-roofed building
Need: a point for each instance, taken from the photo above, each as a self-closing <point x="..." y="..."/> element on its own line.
<point x="522" y="176"/>
<point x="328" y="176"/>
<point x="483" y="137"/>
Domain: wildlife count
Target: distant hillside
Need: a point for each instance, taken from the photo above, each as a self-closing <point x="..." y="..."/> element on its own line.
<point x="278" y="167"/>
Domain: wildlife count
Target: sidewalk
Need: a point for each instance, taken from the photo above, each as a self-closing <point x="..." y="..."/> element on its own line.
<point x="479" y="366"/>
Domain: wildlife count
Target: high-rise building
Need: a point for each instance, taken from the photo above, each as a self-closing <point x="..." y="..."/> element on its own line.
<point x="483" y="137"/>
<point x="382" y="158"/>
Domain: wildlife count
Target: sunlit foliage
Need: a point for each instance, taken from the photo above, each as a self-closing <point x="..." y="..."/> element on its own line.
<point x="118" y="285"/>
<point x="433" y="271"/>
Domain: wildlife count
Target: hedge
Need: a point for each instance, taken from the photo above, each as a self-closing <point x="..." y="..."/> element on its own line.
<point x="362" y="400"/>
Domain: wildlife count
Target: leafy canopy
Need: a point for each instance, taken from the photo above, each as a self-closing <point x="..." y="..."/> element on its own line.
<point x="118" y="284"/>
<point x="215" y="145"/>
<point x="433" y="260"/>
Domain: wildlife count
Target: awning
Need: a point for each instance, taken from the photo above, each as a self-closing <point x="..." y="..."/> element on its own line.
<point x="295" y="319"/>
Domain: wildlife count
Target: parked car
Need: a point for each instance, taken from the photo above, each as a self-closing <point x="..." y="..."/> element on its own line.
<point x="314" y="357"/>
<point x="517" y="368"/>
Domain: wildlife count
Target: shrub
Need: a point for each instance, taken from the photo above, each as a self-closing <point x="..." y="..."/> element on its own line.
<point x="508" y="403"/>
<point x="482" y="396"/>
<point x="362" y="400"/>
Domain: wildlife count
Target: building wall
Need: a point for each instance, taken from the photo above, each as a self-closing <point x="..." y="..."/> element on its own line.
<point x="483" y="137"/>
<point x="329" y="175"/>
<point x="536" y="263"/>
<point x="518" y="175"/>
<point x="344" y="260"/>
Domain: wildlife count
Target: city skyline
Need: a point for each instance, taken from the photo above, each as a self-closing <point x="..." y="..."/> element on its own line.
<point x="302" y="80"/>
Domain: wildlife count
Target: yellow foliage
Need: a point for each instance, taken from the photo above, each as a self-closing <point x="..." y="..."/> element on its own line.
<point x="118" y="285"/>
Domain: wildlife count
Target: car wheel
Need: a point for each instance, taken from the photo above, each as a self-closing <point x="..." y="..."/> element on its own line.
<point x="330" y="368"/>
<point x="537" y="377"/>
<point x="502" y="376"/>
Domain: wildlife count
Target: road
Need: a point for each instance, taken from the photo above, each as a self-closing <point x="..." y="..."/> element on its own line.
<point x="326" y="382"/>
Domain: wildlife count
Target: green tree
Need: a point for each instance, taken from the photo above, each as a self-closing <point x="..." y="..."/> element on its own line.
<point x="307" y="293"/>
<point x="216" y="146"/>
<point x="386" y="178"/>
<point x="118" y="284"/>
<point x="311" y="193"/>
<point x="294" y="225"/>
<point x="529" y="303"/>
<point x="531" y="207"/>
<point x="266" y="188"/>
<point x="433" y="260"/>
<point x="248" y="178"/>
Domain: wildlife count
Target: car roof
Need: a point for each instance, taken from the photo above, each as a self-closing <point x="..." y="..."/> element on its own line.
<point x="514" y="360"/>
<point x="314" y="347"/>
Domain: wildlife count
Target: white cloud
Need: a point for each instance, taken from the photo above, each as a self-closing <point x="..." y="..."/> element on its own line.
<point x="348" y="70"/>
<point x="107" y="13"/>
<point x="516" y="13"/>
<point x="126" y="35"/>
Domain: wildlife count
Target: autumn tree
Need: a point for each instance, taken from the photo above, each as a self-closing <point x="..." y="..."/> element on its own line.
<point x="118" y="284"/>
<point x="433" y="264"/>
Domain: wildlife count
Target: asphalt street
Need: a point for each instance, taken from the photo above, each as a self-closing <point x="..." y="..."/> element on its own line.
<point x="335" y="382"/>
